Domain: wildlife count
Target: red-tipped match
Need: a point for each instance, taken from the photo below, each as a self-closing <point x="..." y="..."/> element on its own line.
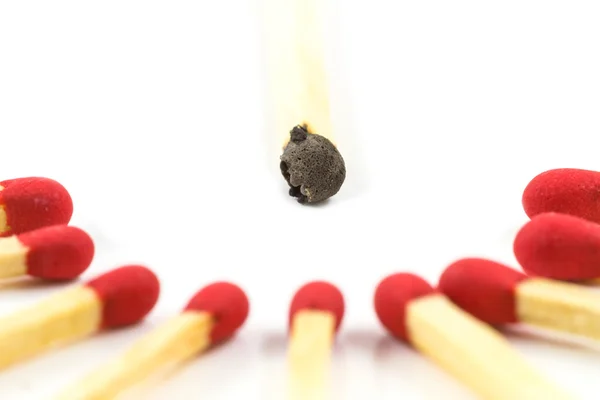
<point x="392" y="296"/>
<point x="565" y="190"/>
<point x="58" y="252"/>
<point x="559" y="246"/>
<point x="483" y="288"/>
<point x="127" y="293"/>
<point x="227" y="303"/>
<point x="33" y="203"/>
<point x="320" y="296"/>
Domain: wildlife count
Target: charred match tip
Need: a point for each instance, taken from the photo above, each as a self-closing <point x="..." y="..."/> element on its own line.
<point x="312" y="166"/>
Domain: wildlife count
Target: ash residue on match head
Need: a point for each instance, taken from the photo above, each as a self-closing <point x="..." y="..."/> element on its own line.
<point x="312" y="166"/>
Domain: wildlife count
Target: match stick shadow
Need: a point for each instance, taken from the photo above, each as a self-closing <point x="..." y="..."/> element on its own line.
<point x="27" y="283"/>
<point x="540" y="337"/>
<point x="320" y="204"/>
<point x="395" y="357"/>
<point x="360" y="339"/>
<point x="201" y="373"/>
<point x="388" y="348"/>
<point x="274" y="343"/>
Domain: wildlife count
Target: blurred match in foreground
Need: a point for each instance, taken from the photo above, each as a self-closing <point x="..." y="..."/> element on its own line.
<point x="213" y="315"/>
<point x="118" y="298"/>
<point x="54" y="253"/>
<point x="467" y="348"/>
<point x="316" y="312"/>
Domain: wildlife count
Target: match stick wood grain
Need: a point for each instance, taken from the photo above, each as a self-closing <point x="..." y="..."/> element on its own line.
<point x="559" y="306"/>
<point x="64" y="317"/>
<point x="181" y="338"/>
<point x="3" y="221"/>
<point x="297" y="68"/>
<point x="454" y="340"/>
<point x="309" y="354"/>
<point x="13" y="257"/>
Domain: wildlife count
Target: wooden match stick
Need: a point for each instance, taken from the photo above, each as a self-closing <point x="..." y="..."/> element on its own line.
<point x="498" y="294"/>
<point x="213" y="315"/>
<point x="316" y="313"/>
<point x="58" y="252"/>
<point x="117" y="298"/>
<point x="27" y="204"/>
<point x="470" y="350"/>
<point x="310" y="163"/>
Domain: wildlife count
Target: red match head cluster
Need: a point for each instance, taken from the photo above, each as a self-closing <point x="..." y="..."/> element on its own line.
<point x="59" y="252"/>
<point x="559" y="246"/>
<point x="567" y="191"/>
<point x="483" y="288"/>
<point x="127" y="294"/>
<point x="33" y="203"/>
<point x="319" y="296"/>
<point x="392" y="296"/>
<point x="227" y="303"/>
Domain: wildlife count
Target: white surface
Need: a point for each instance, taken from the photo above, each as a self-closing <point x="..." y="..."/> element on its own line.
<point x="151" y="114"/>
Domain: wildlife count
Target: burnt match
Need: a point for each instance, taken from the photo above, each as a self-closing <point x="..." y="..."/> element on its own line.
<point x="311" y="163"/>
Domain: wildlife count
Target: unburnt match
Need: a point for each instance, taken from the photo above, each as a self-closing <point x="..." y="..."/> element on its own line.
<point x="213" y="315"/>
<point x="316" y="312"/>
<point x="58" y="252"/>
<point x="311" y="164"/>
<point x="117" y="298"/>
<point x="559" y="246"/>
<point x="564" y="190"/>
<point x="470" y="350"/>
<point x="499" y="295"/>
<point x="27" y="204"/>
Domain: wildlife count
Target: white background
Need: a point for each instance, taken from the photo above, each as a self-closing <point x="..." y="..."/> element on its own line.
<point x="152" y="114"/>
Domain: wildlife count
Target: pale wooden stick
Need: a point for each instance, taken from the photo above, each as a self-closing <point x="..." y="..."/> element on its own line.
<point x="559" y="306"/>
<point x="297" y="68"/>
<point x="65" y="317"/>
<point x="3" y="221"/>
<point x="309" y="354"/>
<point x="13" y="256"/>
<point x="183" y="337"/>
<point x="474" y="353"/>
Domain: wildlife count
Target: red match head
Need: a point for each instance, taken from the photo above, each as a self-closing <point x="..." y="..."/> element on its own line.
<point x="127" y="294"/>
<point x="483" y="288"/>
<point x="33" y="203"/>
<point x="567" y="191"/>
<point x="318" y="296"/>
<point x="559" y="246"/>
<point x="392" y="296"/>
<point x="59" y="252"/>
<point x="227" y="303"/>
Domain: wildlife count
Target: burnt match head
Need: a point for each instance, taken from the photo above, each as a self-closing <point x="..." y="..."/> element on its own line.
<point x="312" y="166"/>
